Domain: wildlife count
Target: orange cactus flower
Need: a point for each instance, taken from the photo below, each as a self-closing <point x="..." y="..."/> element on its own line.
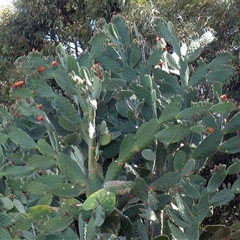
<point x="210" y="130"/>
<point x="53" y="64"/>
<point x="40" y="118"/>
<point x="223" y="97"/>
<point x="39" y="106"/>
<point x="41" y="69"/>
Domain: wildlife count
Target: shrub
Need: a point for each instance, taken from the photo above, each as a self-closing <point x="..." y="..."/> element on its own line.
<point x="110" y="145"/>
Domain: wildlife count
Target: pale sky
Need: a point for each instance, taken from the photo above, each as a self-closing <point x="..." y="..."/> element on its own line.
<point x="4" y="2"/>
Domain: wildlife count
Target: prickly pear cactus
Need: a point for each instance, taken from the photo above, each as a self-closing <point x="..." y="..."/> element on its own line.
<point x="111" y="143"/>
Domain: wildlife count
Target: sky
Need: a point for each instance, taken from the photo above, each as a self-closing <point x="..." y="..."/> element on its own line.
<point x="4" y="2"/>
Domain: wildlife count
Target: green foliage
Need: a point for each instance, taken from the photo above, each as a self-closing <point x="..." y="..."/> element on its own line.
<point x="56" y="181"/>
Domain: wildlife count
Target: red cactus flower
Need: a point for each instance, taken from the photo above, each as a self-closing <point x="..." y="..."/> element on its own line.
<point x="34" y="50"/>
<point x="41" y="69"/>
<point x="158" y="39"/>
<point x="164" y="48"/>
<point x="40" y="118"/>
<point x="97" y="65"/>
<point x="99" y="74"/>
<point x="18" y="84"/>
<point x="210" y="130"/>
<point x="53" y="64"/>
<point x="223" y="97"/>
<point x="39" y="106"/>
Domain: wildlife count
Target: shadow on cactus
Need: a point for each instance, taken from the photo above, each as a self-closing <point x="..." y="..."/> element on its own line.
<point x="111" y="144"/>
